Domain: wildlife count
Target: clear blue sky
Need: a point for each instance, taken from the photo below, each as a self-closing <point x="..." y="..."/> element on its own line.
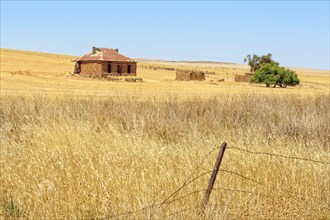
<point x="296" y="33"/>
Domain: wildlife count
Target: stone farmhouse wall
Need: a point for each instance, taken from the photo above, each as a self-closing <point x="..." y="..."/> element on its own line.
<point x="100" y="69"/>
<point x="89" y="68"/>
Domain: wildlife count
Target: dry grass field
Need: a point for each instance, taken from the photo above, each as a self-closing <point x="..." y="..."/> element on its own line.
<point x="75" y="148"/>
<point x="27" y="73"/>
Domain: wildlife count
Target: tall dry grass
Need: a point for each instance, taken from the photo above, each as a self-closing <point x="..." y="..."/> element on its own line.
<point x="63" y="157"/>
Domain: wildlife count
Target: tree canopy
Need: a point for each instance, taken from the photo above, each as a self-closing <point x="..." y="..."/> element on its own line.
<point x="255" y="61"/>
<point x="273" y="74"/>
<point x="267" y="71"/>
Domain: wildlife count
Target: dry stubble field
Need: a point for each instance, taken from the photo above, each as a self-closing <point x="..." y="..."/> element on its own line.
<point x="81" y="148"/>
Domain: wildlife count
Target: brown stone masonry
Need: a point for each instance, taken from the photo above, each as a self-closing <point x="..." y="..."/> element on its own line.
<point x="91" y="68"/>
<point x="186" y="75"/>
<point x="103" y="69"/>
<point x="243" y="78"/>
<point x="119" y="68"/>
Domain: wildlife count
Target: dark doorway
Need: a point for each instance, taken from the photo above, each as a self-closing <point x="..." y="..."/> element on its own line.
<point x="77" y="68"/>
<point x="109" y="67"/>
<point x="128" y="69"/>
<point x="119" y="70"/>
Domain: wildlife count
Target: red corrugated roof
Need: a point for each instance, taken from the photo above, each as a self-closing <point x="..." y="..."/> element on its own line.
<point x="105" y="54"/>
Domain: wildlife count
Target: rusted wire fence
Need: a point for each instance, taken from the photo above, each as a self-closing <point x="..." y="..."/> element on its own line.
<point x="172" y="198"/>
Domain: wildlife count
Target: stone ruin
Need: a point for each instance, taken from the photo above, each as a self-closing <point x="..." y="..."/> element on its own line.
<point x="187" y="75"/>
<point x="244" y="78"/>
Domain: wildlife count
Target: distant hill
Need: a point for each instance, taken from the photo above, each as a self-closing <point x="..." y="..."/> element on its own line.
<point x="23" y="56"/>
<point x="182" y="61"/>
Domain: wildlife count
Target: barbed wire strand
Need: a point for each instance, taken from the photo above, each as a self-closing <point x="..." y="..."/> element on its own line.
<point x="162" y="203"/>
<point x="186" y="181"/>
<point x="263" y="184"/>
<point x="244" y="177"/>
<point x="278" y="155"/>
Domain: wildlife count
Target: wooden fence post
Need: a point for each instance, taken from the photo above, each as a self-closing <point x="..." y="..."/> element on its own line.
<point x="214" y="174"/>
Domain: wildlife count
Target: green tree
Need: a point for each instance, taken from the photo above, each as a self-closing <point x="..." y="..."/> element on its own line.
<point x="255" y="61"/>
<point x="273" y="74"/>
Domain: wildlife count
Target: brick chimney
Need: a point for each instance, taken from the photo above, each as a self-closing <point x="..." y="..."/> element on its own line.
<point x="117" y="50"/>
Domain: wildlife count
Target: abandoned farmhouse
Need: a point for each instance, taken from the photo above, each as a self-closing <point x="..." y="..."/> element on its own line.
<point x="103" y="62"/>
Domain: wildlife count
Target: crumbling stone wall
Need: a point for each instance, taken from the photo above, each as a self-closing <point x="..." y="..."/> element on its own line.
<point x="186" y="75"/>
<point x="243" y="78"/>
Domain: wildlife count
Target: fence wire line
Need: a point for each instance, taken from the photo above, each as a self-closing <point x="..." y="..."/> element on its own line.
<point x="302" y="196"/>
<point x="203" y="190"/>
<point x="215" y="189"/>
<point x="221" y="170"/>
<point x="240" y="175"/>
<point x="164" y="202"/>
<point x="188" y="181"/>
<point x="278" y="155"/>
<point x="263" y="184"/>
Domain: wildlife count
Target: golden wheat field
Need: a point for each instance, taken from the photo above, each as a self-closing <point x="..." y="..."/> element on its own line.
<point x="76" y="148"/>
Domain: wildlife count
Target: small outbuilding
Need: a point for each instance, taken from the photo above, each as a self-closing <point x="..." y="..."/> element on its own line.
<point x="104" y="62"/>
